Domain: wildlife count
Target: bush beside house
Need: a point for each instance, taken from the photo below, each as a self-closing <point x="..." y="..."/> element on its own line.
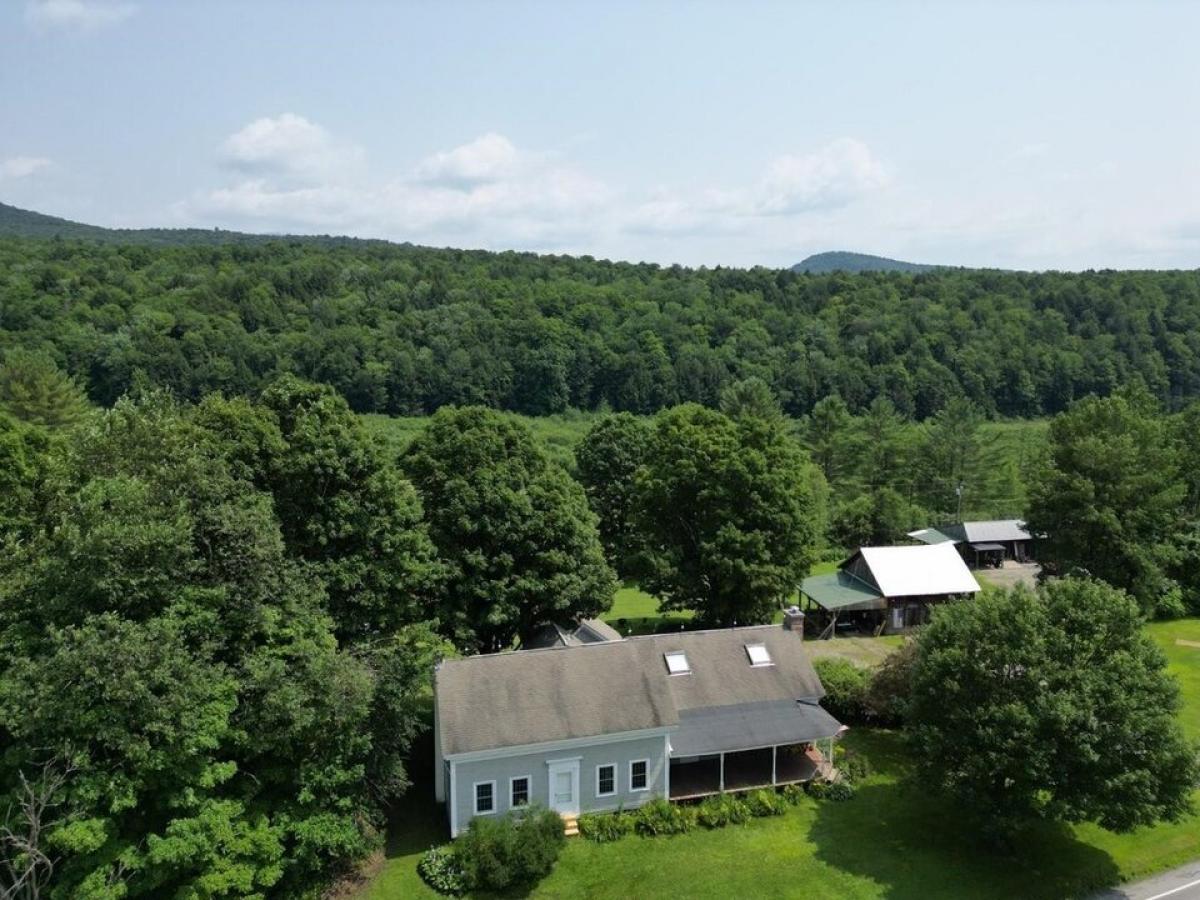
<point x="723" y="809"/>
<point x="661" y="817"/>
<point x="664" y="817"/>
<point x="860" y="696"/>
<point x="604" y="828"/>
<point x="496" y="854"/>
<point x="846" y="686"/>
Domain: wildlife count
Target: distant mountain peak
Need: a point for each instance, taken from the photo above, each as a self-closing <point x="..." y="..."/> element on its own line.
<point x="24" y="223"/>
<point x="845" y="261"/>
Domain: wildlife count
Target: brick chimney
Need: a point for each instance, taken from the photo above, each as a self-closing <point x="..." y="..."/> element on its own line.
<point x="793" y="620"/>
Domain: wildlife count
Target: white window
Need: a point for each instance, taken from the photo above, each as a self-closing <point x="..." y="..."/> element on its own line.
<point x="606" y="780"/>
<point x="638" y="775"/>
<point x="677" y="663"/>
<point x="758" y="655"/>
<point x="518" y="791"/>
<point x="485" y="797"/>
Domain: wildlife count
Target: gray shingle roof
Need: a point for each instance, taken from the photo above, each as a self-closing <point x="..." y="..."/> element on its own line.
<point x="748" y="725"/>
<point x="548" y="635"/>
<point x="721" y="672"/>
<point x="533" y="696"/>
<point x="591" y="630"/>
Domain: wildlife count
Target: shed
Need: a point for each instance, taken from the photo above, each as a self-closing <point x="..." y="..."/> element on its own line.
<point x="888" y="589"/>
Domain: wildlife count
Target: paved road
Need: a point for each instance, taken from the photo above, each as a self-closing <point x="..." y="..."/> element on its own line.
<point x="1178" y="884"/>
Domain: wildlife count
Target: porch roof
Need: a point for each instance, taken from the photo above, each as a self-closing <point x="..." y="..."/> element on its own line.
<point x="745" y="726"/>
<point x="841" y="590"/>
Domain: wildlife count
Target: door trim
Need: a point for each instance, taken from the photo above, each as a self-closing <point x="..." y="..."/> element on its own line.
<point x="560" y="766"/>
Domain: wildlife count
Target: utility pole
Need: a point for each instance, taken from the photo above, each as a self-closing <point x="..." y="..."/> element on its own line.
<point x="958" y="491"/>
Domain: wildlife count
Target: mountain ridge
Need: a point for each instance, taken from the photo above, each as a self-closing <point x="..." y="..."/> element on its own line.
<point x="26" y="223"/>
<point x="849" y="261"/>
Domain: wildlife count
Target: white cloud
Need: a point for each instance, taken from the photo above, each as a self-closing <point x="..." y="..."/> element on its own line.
<point x="710" y="212"/>
<point x="827" y="179"/>
<point x="81" y="14"/>
<point x="488" y="158"/>
<point x="833" y="176"/>
<point x="326" y="207"/>
<point x="490" y="192"/>
<point x="22" y="166"/>
<point x="289" y="145"/>
<point x="302" y="176"/>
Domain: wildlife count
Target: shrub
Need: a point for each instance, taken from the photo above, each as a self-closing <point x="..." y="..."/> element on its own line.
<point x="663" y="817"/>
<point x="442" y="871"/>
<point x="830" y="790"/>
<point x="845" y="688"/>
<point x="793" y="794"/>
<point x="520" y="849"/>
<point x="765" y="802"/>
<point x="852" y="766"/>
<point x="891" y="686"/>
<point x="721" y="810"/>
<point x="604" y="828"/>
<point x="839" y="790"/>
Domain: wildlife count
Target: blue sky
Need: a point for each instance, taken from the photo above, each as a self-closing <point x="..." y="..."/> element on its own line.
<point x="1049" y="135"/>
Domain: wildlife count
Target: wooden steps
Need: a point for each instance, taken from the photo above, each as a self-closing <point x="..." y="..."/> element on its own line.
<point x="570" y="826"/>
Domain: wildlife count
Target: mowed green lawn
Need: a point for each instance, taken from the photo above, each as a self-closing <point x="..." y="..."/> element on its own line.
<point x="893" y="840"/>
<point x="636" y="612"/>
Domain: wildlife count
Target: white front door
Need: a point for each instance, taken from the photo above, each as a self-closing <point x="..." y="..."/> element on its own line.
<point x="564" y="786"/>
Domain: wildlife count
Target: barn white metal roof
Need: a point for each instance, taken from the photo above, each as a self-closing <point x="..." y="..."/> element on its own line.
<point x="919" y="570"/>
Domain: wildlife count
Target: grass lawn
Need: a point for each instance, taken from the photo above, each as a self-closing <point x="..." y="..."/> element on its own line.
<point x="636" y="612"/>
<point x="893" y="840"/>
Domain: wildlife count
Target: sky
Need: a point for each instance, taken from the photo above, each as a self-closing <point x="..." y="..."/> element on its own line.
<point x="1047" y="135"/>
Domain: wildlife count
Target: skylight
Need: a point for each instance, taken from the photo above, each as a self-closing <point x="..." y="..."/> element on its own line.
<point x="758" y="655"/>
<point x="677" y="663"/>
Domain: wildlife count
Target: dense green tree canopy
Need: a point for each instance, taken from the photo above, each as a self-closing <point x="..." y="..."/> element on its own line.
<point x="344" y="508"/>
<point x="607" y="460"/>
<point x="403" y="329"/>
<point x="514" y="529"/>
<point x="164" y="650"/>
<point x="1108" y="496"/>
<point x="23" y="454"/>
<point x="726" y="508"/>
<point x="33" y="389"/>
<point x="1052" y="705"/>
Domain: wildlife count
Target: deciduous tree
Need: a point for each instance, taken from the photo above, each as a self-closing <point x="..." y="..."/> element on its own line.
<point x="1107" y="498"/>
<point x="607" y="459"/>
<point x="1054" y="705"/>
<point x="514" y="528"/>
<point x="726" y="509"/>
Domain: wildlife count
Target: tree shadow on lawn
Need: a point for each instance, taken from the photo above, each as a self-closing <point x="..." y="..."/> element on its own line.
<point x="417" y="821"/>
<point x="918" y="845"/>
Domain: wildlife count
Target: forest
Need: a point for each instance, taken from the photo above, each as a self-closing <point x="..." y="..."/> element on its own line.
<point x="227" y="567"/>
<point x="407" y="330"/>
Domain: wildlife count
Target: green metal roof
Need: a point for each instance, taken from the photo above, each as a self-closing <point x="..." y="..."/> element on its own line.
<point x="841" y="590"/>
<point x="932" y="536"/>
